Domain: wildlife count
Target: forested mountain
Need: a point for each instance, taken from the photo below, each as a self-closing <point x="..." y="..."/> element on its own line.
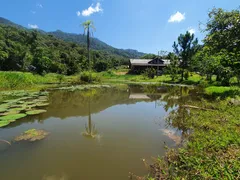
<point x="96" y="44"/>
<point x="31" y="50"/>
<point x="10" y="23"/>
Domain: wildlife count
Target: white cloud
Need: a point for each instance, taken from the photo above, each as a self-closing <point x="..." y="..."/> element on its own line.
<point x="39" y="5"/>
<point x="177" y="17"/>
<point x="78" y="13"/>
<point x="91" y="10"/>
<point x="191" y="30"/>
<point x="33" y="26"/>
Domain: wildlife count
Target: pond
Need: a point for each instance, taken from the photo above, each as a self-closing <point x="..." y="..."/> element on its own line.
<point x="101" y="133"/>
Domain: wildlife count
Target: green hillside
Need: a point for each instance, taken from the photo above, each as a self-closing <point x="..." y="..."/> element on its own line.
<point x="30" y="50"/>
<point x="80" y="39"/>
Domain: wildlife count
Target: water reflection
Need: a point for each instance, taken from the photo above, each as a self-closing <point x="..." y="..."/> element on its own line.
<point x="179" y="115"/>
<point x="124" y="115"/>
<point x="54" y="177"/>
<point x="90" y="129"/>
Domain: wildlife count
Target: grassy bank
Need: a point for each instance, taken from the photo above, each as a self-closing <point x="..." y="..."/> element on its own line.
<point x="24" y="80"/>
<point x="118" y="76"/>
<point x="223" y="91"/>
<point x="20" y="80"/>
<point x="212" y="149"/>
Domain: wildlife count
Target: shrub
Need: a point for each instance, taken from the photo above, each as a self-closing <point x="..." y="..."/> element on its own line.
<point x="60" y="78"/>
<point x="101" y="66"/>
<point x="186" y="75"/>
<point x="149" y="73"/>
<point x="89" y="77"/>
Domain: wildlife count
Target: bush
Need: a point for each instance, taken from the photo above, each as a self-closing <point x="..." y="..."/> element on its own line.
<point x="14" y="80"/>
<point x="89" y="77"/>
<point x="101" y="66"/>
<point x="186" y="75"/>
<point x="60" y="78"/>
<point x="149" y="73"/>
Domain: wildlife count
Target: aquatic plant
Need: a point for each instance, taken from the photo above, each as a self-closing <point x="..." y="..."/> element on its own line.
<point x="20" y="104"/>
<point x="32" y="135"/>
<point x="35" y="112"/>
<point x="12" y="117"/>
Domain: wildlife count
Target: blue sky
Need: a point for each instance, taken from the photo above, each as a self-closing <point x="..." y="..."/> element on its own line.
<point x="144" y="25"/>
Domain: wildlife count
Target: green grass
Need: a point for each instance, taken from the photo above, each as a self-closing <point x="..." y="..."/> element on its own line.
<point x="23" y="80"/>
<point x="112" y="76"/>
<point x="213" y="148"/>
<point x="223" y="91"/>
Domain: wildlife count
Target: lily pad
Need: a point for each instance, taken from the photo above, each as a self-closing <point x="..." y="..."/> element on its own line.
<point x="30" y="103"/>
<point x="11" y="101"/>
<point x="10" y="113"/>
<point x="20" y="102"/>
<point x="42" y="104"/>
<point x="32" y="135"/>
<point x="39" y="100"/>
<point x="17" y="109"/>
<point x="12" y="117"/>
<point x="42" y="97"/>
<point x="29" y="107"/>
<point x="35" y="112"/>
<point x="5" y="105"/>
<point x="4" y="123"/>
<point x="15" y="106"/>
<point x="2" y="110"/>
<point x="25" y="98"/>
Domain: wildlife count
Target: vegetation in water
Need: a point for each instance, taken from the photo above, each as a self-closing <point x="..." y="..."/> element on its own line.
<point x="32" y="135"/>
<point x="20" y="105"/>
<point x="35" y="112"/>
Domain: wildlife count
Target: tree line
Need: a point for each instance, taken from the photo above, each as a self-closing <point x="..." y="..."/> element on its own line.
<point x="31" y="50"/>
<point x="219" y="54"/>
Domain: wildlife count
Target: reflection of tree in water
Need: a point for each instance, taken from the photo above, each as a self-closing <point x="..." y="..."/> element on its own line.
<point x="179" y="115"/>
<point x="90" y="129"/>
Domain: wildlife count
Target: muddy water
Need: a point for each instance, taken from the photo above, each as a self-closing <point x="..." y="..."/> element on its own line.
<point x="95" y="134"/>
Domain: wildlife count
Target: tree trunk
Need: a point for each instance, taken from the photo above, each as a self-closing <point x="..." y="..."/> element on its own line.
<point x="88" y="49"/>
<point x="89" y="62"/>
<point x="89" y="118"/>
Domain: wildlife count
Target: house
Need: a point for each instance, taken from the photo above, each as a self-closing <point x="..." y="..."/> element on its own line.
<point x="139" y="65"/>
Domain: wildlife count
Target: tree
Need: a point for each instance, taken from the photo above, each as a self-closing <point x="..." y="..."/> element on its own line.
<point x="173" y="67"/>
<point x="223" y="41"/>
<point x="88" y="25"/>
<point x="185" y="48"/>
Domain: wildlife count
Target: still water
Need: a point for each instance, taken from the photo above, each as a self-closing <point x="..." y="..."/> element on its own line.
<point x="100" y="134"/>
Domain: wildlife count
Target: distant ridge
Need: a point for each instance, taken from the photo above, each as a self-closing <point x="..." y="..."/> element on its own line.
<point x="9" y="23"/>
<point x="96" y="44"/>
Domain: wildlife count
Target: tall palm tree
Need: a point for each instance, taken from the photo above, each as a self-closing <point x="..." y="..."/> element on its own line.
<point x="88" y="26"/>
